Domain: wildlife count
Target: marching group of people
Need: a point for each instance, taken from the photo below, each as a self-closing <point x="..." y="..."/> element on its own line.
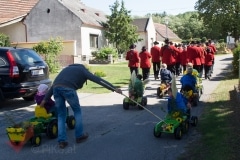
<point x="173" y="60"/>
<point x="175" y="56"/>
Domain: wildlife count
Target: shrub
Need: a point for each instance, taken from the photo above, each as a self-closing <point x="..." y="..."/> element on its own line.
<point x="235" y="61"/>
<point x="104" y="52"/>
<point x="4" y="40"/>
<point x="100" y="74"/>
<point x="50" y="50"/>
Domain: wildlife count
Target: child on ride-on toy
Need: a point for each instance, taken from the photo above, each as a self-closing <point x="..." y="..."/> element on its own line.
<point x="165" y="74"/>
<point x="50" y="104"/>
<point x="136" y="88"/>
<point x="179" y="102"/>
<point x="166" y="80"/>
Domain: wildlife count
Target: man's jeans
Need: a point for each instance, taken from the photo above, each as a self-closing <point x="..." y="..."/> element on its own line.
<point x="61" y="95"/>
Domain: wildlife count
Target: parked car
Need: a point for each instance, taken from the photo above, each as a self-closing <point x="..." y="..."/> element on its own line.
<point x="21" y="72"/>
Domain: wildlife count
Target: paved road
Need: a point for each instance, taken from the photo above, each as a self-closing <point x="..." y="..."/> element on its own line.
<point x="115" y="133"/>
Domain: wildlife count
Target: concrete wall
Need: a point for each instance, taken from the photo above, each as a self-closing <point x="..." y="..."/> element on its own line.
<point x="66" y="57"/>
<point x="151" y="33"/>
<point x="85" y="39"/>
<point x="59" y="22"/>
<point x="15" y="32"/>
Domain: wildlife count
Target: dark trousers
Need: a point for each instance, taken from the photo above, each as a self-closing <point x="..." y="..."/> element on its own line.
<point x="172" y="68"/>
<point x="197" y="67"/>
<point x="201" y="71"/>
<point x="156" y="68"/>
<point x="184" y="67"/>
<point x="145" y="73"/>
<point x="178" y="68"/>
<point x="207" y="70"/>
<point x="135" y="69"/>
<point x="212" y="65"/>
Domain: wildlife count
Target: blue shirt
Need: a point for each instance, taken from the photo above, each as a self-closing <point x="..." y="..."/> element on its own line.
<point x="180" y="103"/>
<point x="188" y="80"/>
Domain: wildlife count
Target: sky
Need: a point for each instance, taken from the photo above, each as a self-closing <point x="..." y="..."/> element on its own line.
<point x="142" y="7"/>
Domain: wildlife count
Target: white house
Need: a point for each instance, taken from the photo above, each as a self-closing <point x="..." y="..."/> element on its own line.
<point x="40" y="20"/>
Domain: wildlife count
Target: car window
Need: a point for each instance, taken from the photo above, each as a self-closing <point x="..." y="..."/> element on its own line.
<point x="24" y="56"/>
<point x="2" y="62"/>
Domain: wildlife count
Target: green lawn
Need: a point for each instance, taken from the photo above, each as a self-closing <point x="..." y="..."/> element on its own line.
<point x="219" y="126"/>
<point x="118" y="74"/>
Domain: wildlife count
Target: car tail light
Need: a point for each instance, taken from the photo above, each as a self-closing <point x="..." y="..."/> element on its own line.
<point x="22" y="91"/>
<point x="14" y="71"/>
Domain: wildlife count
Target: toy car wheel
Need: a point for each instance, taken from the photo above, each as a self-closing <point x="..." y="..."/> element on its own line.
<point x="36" y="140"/>
<point x="158" y="91"/>
<point x="52" y="129"/>
<point x="125" y="105"/>
<point x="140" y="107"/>
<point x="178" y="133"/>
<point x="71" y="122"/>
<point x="156" y="133"/>
<point x="144" y="101"/>
<point x="194" y="121"/>
<point x="185" y="126"/>
<point x="202" y="89"/>
<point x="195" y="101"/>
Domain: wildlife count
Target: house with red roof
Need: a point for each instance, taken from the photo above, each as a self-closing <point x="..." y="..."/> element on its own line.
<point x="32" y="21"/>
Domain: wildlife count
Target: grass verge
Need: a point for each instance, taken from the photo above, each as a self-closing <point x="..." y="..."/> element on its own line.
<point x="118" y="74"/>
<point x="218" y="126"/>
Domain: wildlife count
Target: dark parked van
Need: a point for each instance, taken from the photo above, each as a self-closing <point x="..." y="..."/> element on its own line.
<point x="22" y="70"/>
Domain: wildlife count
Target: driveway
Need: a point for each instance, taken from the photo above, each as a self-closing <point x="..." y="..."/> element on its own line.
<point x="115" y="133"/>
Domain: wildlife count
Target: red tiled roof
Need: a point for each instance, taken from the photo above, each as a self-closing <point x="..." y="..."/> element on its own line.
<point x="12" y="9"/>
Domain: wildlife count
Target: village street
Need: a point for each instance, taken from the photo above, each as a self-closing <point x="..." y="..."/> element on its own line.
<point x="114" y="133"/>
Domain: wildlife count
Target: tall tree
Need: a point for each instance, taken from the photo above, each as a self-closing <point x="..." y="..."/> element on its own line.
<point x="221" y="16"/>
<point x="119" y="28"/>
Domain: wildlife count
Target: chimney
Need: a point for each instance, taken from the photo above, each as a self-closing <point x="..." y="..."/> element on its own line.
<point x="97" y="14"/>
<point x="83" y="9"/>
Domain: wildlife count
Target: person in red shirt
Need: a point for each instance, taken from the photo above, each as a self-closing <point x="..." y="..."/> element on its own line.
<point x="213" y="50"/>
<point x="208" y="62"/>
<point x="178" y="60"/>
<point x="156" y="60"/>
<point x="145" y="62"/>
<point x="183" y="57"/>
<point x="195" y="56"/>
<point x="169" y="54"/>
<point x="133" y="59"/>
<point x="202" y="57"/>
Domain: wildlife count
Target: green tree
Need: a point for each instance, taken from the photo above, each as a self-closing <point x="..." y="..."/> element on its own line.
<point x="220" y="16"/>
<point x="4" y="40"/>
<point x="119" y="28"/>
<point x="50" y="50"/>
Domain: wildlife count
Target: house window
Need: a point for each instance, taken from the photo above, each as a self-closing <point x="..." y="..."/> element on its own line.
<point x="93" y="41"/>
